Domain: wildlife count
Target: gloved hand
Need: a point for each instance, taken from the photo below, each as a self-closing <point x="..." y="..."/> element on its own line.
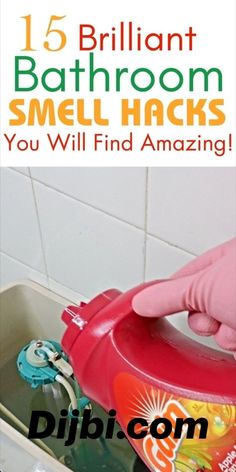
<point x="206" y="288"/>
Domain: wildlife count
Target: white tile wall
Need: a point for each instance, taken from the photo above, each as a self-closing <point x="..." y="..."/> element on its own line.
<point x="85" y="230"/>
<point x="117" y="191"/>
<point x="75" y="297"/>
<point x="22" y="170"/>
<point x="162" y="259"/>
<point x="20" y="236"/>
<point x="193" y="208"/>
<point x="13" y="270"/>
<point x="86" y="249"/>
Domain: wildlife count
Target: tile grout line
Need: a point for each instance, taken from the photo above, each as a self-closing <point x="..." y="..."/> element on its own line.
<point x="19" y="261"/>
<point x="39" y="227"/>
<point x="145" y="225"/>
<point x="82" y="202"/>
<point x="173" y="245"/>
<point x="51" y="279"/>
<point x="66" y="287"/>
<point x="109" y="214"/>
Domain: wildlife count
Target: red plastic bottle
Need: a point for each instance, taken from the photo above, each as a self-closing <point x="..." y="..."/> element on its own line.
<point x="145" y="368"/>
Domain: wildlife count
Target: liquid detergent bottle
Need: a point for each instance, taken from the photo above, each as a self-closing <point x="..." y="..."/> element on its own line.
<point x="154" y="377"/>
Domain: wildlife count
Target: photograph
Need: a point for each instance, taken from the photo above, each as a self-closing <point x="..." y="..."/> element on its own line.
<point x="118" y="236"/>
<point x="92" y="260"/>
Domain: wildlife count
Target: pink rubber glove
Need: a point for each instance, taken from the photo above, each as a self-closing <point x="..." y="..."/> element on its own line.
<point x="206" y="288"/>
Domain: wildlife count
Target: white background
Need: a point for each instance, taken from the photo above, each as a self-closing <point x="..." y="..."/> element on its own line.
<point x="212" y="20"/>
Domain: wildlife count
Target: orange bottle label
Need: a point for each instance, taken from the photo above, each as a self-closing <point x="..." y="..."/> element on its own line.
<point x="216" y="452"/>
